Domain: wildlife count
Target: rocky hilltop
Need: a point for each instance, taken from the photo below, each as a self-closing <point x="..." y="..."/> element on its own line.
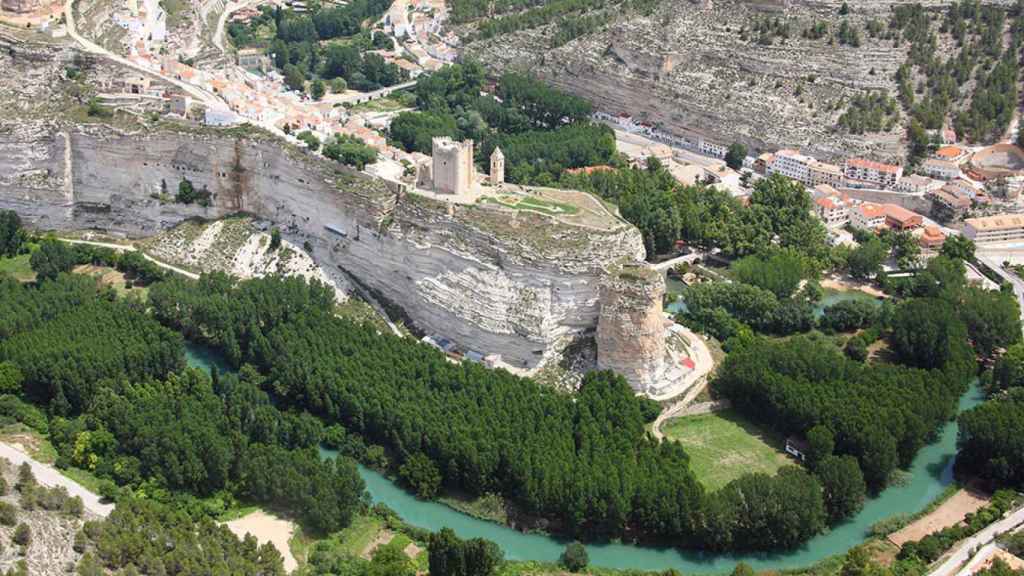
<point x="489" y="277"/>
<point x="493" y="280"/>
<point x="704" y="70"/>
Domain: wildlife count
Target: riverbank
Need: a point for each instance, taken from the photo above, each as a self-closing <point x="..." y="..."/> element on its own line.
<point x="930" y="473"/>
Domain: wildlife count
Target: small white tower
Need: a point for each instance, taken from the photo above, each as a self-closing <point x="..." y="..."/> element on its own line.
<point x="497" y="174"/>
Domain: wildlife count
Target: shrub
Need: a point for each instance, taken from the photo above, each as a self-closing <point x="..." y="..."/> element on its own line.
<point x="22" y="535"/>
<point x="575" y="557"/>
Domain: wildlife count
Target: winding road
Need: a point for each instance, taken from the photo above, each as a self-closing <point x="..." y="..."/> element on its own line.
<point x="966" y="550"/>
<point x="50" y="477"/>
<point x="93" y="48"/>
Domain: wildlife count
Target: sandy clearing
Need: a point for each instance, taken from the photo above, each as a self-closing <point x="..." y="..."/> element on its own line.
<point x="267" y="528"/>
<point x="844" y="284"/>
<point x="949" y="513"/>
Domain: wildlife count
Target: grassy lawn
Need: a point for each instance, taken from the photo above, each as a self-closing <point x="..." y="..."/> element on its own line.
<point x="533" y="203"/>
<point x="18" y="267"/>
<point x="723" y="446"/>
<point x="396" y="101"/>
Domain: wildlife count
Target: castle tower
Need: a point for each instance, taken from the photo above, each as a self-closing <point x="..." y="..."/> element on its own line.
<point x="497" y="173"/>
<point x="453" y="168"/>
<point x="631" y="325"/>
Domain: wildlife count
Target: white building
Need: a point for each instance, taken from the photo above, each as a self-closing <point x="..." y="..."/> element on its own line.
<point x="966" y="187"/>
<point x="867" y="216"/>
<point x="824" y="173"/>
<point x="220" y="116"/>
<point x="917" y="184"/>
<point x="1000" y="228"/>
<point x="873" y="173"/>
<point x="941" y="169"/>
<point x="791" y="164"/>
<point x="830" y="206"/>
<point x="712" y="149"/>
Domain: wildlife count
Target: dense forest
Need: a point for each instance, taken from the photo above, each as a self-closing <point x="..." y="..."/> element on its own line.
<point x="299" y="45"/>
<point x="122" y="406"/>
<point x="541" y="131"/>
<point x="665" y="211"/>
<point x="584" y="461"/>
<point x="804" y="386"/>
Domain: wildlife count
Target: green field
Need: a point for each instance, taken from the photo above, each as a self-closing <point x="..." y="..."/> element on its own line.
<point x="18" y="267"/>
<point x="723" y="446"/>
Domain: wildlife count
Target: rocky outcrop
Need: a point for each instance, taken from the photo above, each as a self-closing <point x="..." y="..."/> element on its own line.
<point x="631" y="328"/>
<point x="516" y="283"/>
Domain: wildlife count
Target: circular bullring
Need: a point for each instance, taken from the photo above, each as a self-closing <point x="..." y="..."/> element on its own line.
<point x="998" y="161"/>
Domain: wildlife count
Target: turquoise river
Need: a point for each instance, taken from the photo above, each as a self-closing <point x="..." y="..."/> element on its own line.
<point x="929" y="474"/>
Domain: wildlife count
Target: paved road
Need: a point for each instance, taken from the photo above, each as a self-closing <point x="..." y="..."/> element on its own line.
<point x="128" y="248"/>
<point x="1018" y="284"/>
<point x="964" y="552"/>
<point x="88" y="46"/>
<point x="49" y="476"/>
<point x="218" y="34"/>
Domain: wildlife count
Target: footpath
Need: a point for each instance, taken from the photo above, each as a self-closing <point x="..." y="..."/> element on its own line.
<point x="50" y="477"/>
<point x="980" y="541"/>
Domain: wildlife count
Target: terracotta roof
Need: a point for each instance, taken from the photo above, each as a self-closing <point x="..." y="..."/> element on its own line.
<point x="871" y="165"/>
<point x="998" y="222"/>
<point x="899" y="213"/>
<point x="870" y="210"/>
<point x="949" y="152"/>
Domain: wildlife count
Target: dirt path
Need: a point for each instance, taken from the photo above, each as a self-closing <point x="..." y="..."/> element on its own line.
<point x="129" y="248"/>
<point x="844" y="284"/>
<point x="949" y="513"/>
<point x="49" y="476"/>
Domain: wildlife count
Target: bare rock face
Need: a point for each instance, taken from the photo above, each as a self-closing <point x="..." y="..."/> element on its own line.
<point x="631" y="326"/>
<point x="515" y="283"/>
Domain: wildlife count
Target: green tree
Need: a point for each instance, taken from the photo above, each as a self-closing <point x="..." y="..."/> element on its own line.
<point x="927" y="332"/>
<point x="22" y="535"/>
<point x="422" y="475"/>
<point x="275" y="239"/>
<point x="310" y="139"/>
<point x="735" y="156"/>
<point x="574" y="557"/>
<point x="11" y="234"/>
<point x="1009" y="369"/>
<point x="843" y="485"/>
<point x="317" y="89"/>
<point x="821" y="442"/>
<point x="866" y="260"/>
<point x="52" y="258"/>
<point x="10" y="378"/>
<point x="959" y="247"/>
<point x="905" y="250"/>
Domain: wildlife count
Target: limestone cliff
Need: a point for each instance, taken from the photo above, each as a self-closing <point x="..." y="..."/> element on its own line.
<point x="631" y="328"/>
<point x="492" y="279"/>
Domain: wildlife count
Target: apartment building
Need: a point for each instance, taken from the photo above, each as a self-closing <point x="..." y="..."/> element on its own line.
<point x="941" y="169"/>
<point x="991" y="229"/>
<point x="824" y="173"/>
<point x="872" y="173"/>
<point x="832" y="207"/>
<point x="791" y="164"/>
<point x="917" y="184"/>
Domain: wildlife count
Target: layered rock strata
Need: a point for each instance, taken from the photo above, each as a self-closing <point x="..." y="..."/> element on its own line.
<point x="631" y="328"/>
<point x="511" y="282"/>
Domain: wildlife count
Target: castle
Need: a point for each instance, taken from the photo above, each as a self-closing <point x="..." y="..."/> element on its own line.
<point x="452" y="170"/>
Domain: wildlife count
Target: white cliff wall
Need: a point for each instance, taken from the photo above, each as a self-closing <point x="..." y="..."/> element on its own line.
<point x="514" y="283"/>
